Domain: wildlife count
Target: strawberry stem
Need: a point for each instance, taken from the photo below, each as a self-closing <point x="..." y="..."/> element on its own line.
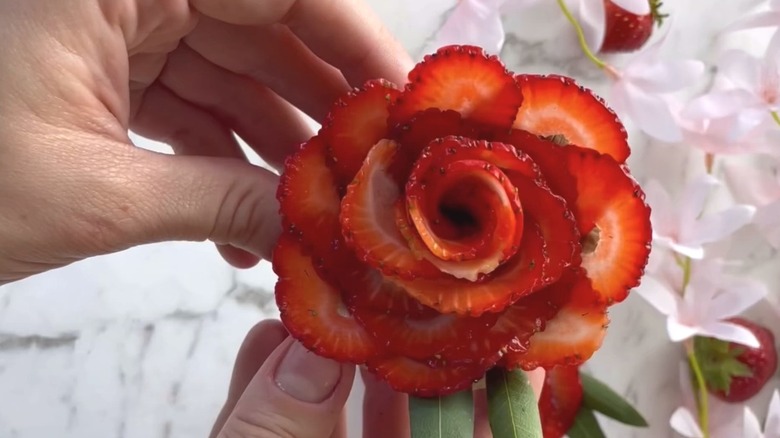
<point x="776" y="117"/>
<point x="703" y="404"/>
<point x="581" y="36"/>
<point x="655" y="11"/>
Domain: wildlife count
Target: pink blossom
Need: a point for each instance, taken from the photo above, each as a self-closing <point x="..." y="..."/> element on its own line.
<point x="760" y="188"/>
<point x="752" y="427"/>
<point x="472" y="22"/>
<point x="769" y="18"/>
<point x="710" y="298"/>
<point x="681" y="224"/>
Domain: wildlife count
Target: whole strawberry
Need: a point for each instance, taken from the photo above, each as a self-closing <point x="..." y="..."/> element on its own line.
<point x="734" y="372"/>
<point x="627" y="32"/>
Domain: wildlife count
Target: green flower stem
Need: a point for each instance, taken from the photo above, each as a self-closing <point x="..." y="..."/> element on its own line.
<point x="776" y="116"/>
<point x="686" y="267"/>
<point x="581" y="36"/>
<point x="703" y="404"/>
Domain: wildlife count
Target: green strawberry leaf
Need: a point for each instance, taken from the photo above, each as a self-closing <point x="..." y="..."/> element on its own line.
<point x="719" y="361"/>
<point x="512" y="406"/>
<point x="585" y="425"/>
<point x="442" y="417"/>
<point x="600" y="397"/>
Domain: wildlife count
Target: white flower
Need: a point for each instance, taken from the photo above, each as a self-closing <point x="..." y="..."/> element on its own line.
<point x="769" y="18"/>
<point x="762" y="189"/>
<point x="748" y="91"/>
<point x="710" y="298"/>
<point x="681" y="225"/>
<point x="472" y="22"/>
<point x="752" y="428"/>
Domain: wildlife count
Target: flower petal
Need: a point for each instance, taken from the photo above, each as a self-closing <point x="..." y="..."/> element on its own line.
<point x="762" y="19"/>
<point x="652" y="114"/>
<point x="726" y="331"/>
<point x="742" y="69"/>
<point x="657" y="295"/>
<point x="638" y="7"/>
<point x="751" y="426"/>
<point x="472" y="22"/>
<point x="662" y="211"/>
<point x="683" y="422"/>
<point x="717" y="226"/>
<point x="737" y="296"/>
<point x="592" y="15"/>
<point x="751" y="185"/>
<point x="694" y="198"/>
<point x="772" y="425"/>
<point x="664" y="77"/>
<point x="678" y="331"/>
<point x="718" y="104"/>
<point x="767" y="220"/>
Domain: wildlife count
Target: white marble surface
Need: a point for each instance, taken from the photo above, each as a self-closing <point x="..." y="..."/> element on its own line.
<point x="141" y="343"/>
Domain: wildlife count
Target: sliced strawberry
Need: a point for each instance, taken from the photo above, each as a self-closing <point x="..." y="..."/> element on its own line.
<point x="313" y="311"/>
<point x="355" y="123"/>
<point x="614" y="219"/>
<point x="422" y="336"/>
<point x="514" y="327"/>
<point x="309" y="201"/>
<point x="521" y="275"/>
<point x="366" y="224"/>
<point x="556" y="105"/>
<point x="423" y="379"/>
<point x="464" y="79"/>
<point x="367" y="289"/>
<point x="560" y="400"/>
<point x="571" y="336"/>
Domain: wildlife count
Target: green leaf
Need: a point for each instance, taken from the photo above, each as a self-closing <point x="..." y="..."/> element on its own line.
<point x="512" y="406"/>
<point x="442" y="417"/>
<point x="600" y="397"/>
<point x="585" y="425"/>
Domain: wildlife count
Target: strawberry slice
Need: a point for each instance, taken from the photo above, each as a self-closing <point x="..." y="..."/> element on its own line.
<point x="368" y="290"/>
<point x="313" y="311"/>
<point x="355" y="123"/>
<point x="614" y="219"/>
<point x="521" y="275"/>
<point x="309" y="201"/>
<point x="571" y="336"/>
<point x="556" y="105"/>
<point x="366" y="224"/>
<point x="424" y="335"/>
<point x="423" y="379"/>
<point x="560" y="400"/>
<point x="463" y="79"/>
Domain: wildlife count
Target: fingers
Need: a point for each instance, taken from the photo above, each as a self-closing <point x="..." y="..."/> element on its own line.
<point x="259" y="343"/>
<point x="385" y="412"/>
<point x="270" y="125"/>
<point x="344" y="33"/>
<point x="294" y="394"/>
<point x="275" y="57"/>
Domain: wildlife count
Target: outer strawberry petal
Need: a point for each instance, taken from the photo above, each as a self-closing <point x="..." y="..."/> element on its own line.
<point x="557" y="105"/>
<point x="560" y="400"/>
<point x="520" y="276"/>
<point x="366" y="224"/>
<point x="571" y="336"/>
<point x="312" y="310"/>
<point x="423" y="379"/>
<point x="464" y="79"/>
<point x="367" y="289"/>
<point x="355" y="123"/>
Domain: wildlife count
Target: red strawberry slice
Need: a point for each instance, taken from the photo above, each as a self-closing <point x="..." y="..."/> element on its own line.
<point x="571" y="336"/>
<point x="368" y="290"/>
<point x="355" y="123"/>
<point x="560" y="400"/>
<point x="424" y="379"/>
<point x="463" y="79"/>
<point x="422" y="336"/>
<point x="309" y="202"/>
<point x="366" y="224"/>
<point x="521" y="275"/>
<point x="614" y="219"/>
<point x="514" y="327"/>
<point x="557" y="105"/>
<point x="313" y="311"/>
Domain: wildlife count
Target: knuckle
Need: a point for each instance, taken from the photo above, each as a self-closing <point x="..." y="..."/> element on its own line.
<point x="258" y="424"/>
<point x="246" y="213"/>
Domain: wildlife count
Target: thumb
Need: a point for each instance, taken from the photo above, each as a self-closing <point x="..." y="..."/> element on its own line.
<point x="294" y="394"/>
<point x="225" y="200"/>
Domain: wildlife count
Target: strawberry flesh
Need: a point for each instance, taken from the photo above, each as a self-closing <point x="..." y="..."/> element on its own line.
<point x="557" y="106"/>
<point x="464" y="79"/>
<point x="425" y="379"/>
<point x="560" y="400"/>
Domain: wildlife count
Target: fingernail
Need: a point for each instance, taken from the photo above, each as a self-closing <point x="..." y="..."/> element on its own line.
<point x="306" y="376"/>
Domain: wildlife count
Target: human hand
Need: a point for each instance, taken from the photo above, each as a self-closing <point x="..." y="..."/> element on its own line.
<point x="279" y="389"/>
<point x="77" y="75"/>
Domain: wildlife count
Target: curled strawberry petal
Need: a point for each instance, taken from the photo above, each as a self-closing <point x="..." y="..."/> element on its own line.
<point x="313" y="311"/>
<point x="572" y="335"/>
<point x="424" y="379"/>
<point x="556" y="105"/>
<point x="463" y="79"/>
<point x="519" y="276"/>
<point x="366" y="224"/>
<point x="355" y="123"/>
<point x="560" y="400"/>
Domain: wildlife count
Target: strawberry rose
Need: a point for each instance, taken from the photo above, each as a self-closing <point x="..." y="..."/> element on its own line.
<point x="473" y="219"/>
